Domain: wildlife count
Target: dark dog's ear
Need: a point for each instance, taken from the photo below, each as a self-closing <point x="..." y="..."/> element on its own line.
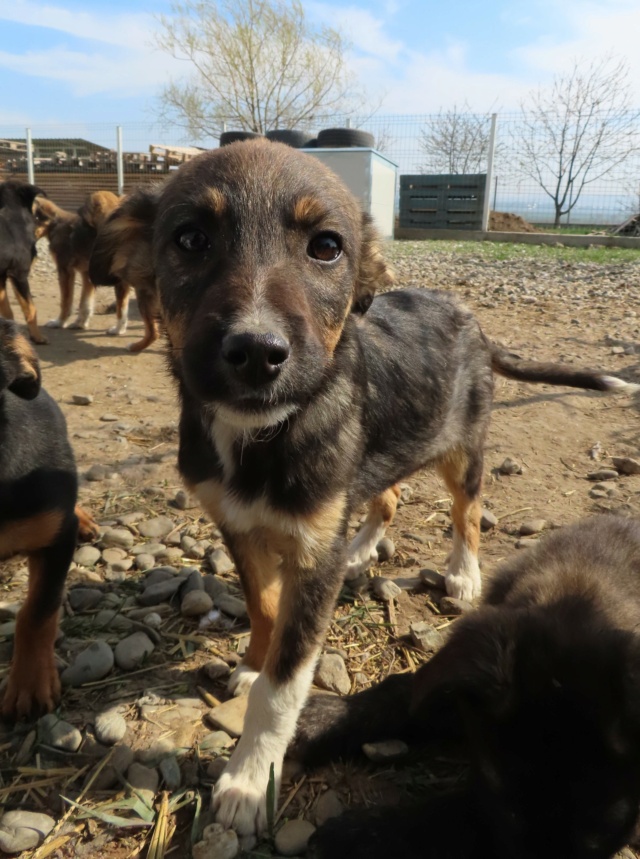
<point x="373" y="271"/>
<point x="475" y="665"/>
<point x="122" y="251"/>
<point x="28" y="193"/>
<point x="19" y="366"/>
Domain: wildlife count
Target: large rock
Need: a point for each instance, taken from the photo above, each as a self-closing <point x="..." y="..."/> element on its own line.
<point x="156" y="528"/>
<point x="331" y="674"/>
<point x="229" y="716"/>
<point x="92" y="664"/>
<point x="132" y="651"/>
<point x="292" y="838"/>
<point x="23" y="830"/>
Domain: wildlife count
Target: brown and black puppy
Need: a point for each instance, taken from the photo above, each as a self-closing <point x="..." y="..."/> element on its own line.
<point x="297" y="406"/>
<point x="38" y="518"/>
<point x="71" y="238"/>
<point x="18" y="249"/>
<point x="541" y="687"/>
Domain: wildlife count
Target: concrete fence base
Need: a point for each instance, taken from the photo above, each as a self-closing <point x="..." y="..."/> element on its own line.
<point x="555" y="239"/>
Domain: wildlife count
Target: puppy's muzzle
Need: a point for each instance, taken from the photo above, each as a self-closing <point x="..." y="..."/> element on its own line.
<point x="255" y="359"/>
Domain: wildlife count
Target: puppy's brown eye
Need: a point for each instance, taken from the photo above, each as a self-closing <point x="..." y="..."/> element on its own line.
<point x="325" y="247"/>
<point x="192" y="240"/>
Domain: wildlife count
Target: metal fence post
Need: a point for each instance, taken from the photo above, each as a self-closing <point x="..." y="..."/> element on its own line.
<point x="487" y="190"/>
<point x="119" y="162"/>
<point x="30" y="172"/>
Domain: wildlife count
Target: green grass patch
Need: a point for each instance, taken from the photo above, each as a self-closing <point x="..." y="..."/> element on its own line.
<point x="407" y="250"/>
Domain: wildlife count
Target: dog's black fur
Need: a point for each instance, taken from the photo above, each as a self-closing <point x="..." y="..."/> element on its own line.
<point x="38" y="489"/>
<point x="296" y="405"/>
<point x="541" y="686"/>
<point x="18" y="249"/>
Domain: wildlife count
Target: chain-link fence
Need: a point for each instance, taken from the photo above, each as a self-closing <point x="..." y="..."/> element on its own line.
<point x="71" y="160"/>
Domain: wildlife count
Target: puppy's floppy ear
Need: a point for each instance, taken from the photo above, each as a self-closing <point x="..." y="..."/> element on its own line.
<point x="28" y="193"/>
<point x="476" y="665"/>
<point x="19" y="366"/>
<point x="373" y="271"/>
<point x="122" y="251"/>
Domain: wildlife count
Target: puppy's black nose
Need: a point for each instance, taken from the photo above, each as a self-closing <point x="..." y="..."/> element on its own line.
<point x="255" y="358"/>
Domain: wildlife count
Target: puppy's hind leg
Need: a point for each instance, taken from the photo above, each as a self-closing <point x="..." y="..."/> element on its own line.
<point x="462" y="473"/>
<point x="87" y="301"/>
<point x="23" y="294"/>
<point x="362" y="549"/>
<point x="66" y="282"/>
<point x="122" y="291"/>
<point x="5" y="307"/>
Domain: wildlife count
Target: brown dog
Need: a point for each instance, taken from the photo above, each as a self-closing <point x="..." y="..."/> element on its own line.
<point x="301" y="399"/>
<point x="71" y="239"/>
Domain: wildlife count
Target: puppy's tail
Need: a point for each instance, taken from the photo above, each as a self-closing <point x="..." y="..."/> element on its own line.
<point x="513" y="367"/>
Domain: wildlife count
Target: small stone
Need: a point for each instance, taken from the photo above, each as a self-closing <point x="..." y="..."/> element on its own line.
<point x="8" y="629"/>
<point x="386" y="752"/>
<point x="385" y="589"/>
<point x="92" y="664"/>
<point x="216" y="742"/>
<point x="54" y="731"/>
<point x="426" y="636"/>
<point x="132" y="651"/>
<point x="198" y="551"/>
<point x="81" y="399"/>
<point x="417" y="538"/>
<point x="216" y="768"/>
<point x="9" y="610"/>
<point x="130" y="518"/>
<point x="488" y="520"/>
<point x="96" y="473"/>
<point x="331" y="673"/>
<point x="144" y="562"/>
<point x="329" y="805"/>
<point x="111" y="621"/>
<point x="214" y="586"/>
<point x="231" y="605"/>
<point x="113" y="554"/>
<point x="626" y="465"/>
<point x="510" y="466"/>
<point x="229" y="716"/>
<point x="526" y="542"/>
<point x="183" y="501"/>
<point x="86" y="556"/>
<point x="158" y="750"/>
<point x="118" y="537"/>
<point x="142" y="777"/>
<point x="220" y="562"/>
<point x="193" y="582"/>
<point x="156" y="528"/>
<point x="292" y="838"/>
<point x="160" y="592"/>
<point x="121" y="566"/>
<point x="23" y="830"/>
<point x="109" y="418"/>
<point x="170" y="554"/>
<point x="153" y="620"/>
<point x="83" y="599"/>
<point x="121" y="758"/>
<point x="187" y="542"/>
<point x="217" y="843"/>
<point x="453" y="606"/>
<point x="603" y="474"/>
<point x="433" y="579"/>
<point x="216" y="669"/>
<point x="170" y="772"/>
<point x="149" y="549"/>
<point x="159" y="574"/>
<point x="532" y="526"/>
<point x="195" y="604"/>
<point x="386" y="549"/>
<point x="110" y="727"/>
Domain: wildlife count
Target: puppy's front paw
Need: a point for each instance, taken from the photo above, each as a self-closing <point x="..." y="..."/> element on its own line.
<point x="79" y="324"/>
<point x="463" y="586"/>
<point x="54" y="323"/>
<point x="33" y="688"/>
<point x="242" y="680"/>
<point x="240" y="804"/>
<point x="117" y="329"/>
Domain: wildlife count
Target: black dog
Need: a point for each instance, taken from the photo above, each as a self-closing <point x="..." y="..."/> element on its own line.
<point x="542" y="688"/>
<point x="38" y="518"/>
<point x="18" y="249"/>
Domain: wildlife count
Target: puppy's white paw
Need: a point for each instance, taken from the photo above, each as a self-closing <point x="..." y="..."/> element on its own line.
<point x="54" y="323"/>
<point x="240" y="804"/>
<point x="79" y="324"/>
<point x="359" y="563"/>
<point x="242" y="680"/>
<point x="117" y="329"/>
<point x="463" y="586"/>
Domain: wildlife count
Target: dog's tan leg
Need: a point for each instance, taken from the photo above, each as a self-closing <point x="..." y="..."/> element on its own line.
<point x="123" y="291"/>
<point x="462" y="474"/>
<point x="66" y="278"/>
<point x="149" y="311"/>
<point x="87" y="301"/>
<point x="362" y="550"/>
<point x="23" y="294"/>
<point x="311" y="580"/>
<point x="5" y="307"/>
<point x="260" y="574"/>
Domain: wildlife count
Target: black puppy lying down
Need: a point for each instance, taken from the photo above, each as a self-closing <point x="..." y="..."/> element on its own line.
<point x="542" y="687"/>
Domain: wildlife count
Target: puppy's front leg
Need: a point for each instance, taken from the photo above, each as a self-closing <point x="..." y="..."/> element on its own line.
<point x="278" y="694"/>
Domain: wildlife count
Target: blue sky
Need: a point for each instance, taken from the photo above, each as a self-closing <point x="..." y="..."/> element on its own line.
<point x="67" y="61"/>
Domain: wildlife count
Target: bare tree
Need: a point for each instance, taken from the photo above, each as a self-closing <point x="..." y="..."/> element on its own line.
<point x="255" y="64"/>
<point x="456" y="141"/>
<point x="579" y="130"/>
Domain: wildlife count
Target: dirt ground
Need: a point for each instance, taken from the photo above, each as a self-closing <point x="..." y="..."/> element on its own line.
<point x="557" y="435"/>
<point x="509" y="223"/>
